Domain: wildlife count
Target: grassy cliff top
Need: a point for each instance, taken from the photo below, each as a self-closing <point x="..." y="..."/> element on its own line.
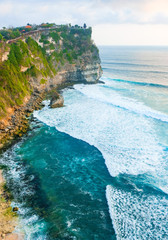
<point x="12" y="33"/>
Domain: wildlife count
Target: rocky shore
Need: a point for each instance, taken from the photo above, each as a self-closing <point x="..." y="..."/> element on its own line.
<point x="16" y="124"/>
<point x="11" y="129"/>
<point x="8" y="217"/>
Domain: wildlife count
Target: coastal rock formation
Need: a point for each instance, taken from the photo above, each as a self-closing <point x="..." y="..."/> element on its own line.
<point x="8" y="219"/>
<point x="38" y="62"/>
<point x="57" y="101"/>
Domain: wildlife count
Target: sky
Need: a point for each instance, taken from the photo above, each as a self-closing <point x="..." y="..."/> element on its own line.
<point x="114" y="22"/>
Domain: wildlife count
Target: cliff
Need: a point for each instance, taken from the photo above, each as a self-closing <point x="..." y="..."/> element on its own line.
<point x="37" y="62"/>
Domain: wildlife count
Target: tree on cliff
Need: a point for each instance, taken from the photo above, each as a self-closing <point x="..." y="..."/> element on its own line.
<point x="1" y="37"/>
<point x="84" y="26"/>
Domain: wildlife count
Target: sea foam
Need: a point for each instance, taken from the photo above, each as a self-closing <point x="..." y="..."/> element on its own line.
<point x="137" y="215"/>
<point x="20" y="185"/>
<point x="118" y="133"/>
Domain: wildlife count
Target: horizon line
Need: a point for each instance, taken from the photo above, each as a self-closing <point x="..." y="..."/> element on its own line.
<point x="115" y="45"/>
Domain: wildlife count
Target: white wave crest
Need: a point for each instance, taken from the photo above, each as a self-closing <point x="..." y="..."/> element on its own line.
<point x="122" y="102"/>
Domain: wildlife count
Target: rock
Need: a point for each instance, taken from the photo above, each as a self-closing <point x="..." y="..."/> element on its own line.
<point x="15" y="209"/>
<point x="1" y="146"/>
<point x="3" y="236"/>
<point x="57" y="101"/>
<point x="14" y="236"/>
<point x="36" y="92"/>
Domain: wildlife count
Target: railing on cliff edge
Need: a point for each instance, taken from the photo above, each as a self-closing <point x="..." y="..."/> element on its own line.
<point x="29" y="33"/>
<point x="32" y="32"/>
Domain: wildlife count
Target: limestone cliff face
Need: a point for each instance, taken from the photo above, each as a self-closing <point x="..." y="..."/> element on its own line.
<point x="89" y="71"/>
<point x="85" y="69"/>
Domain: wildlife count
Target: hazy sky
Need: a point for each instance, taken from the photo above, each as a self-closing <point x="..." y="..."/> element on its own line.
<point x="114" y="22"/>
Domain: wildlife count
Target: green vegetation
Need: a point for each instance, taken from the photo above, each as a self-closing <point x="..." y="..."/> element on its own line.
<point x="47" y="25"/>
<point x="44" y="39"/>
<point x="43" y="81"/>
<point x="52" y="47"/>
<point x="13" y="85"/>
<point x="69" y="45"/>
<point x="10" y="33"/>
<point x="55" y="36"/>
<point x="33" y="71"/>
<point x="75" y="42"/>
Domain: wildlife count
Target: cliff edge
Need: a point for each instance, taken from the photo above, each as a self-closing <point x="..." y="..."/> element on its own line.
<point x="37" y="62"/>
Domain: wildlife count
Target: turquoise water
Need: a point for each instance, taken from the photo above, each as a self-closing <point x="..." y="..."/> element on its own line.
<point x="98" y="167"/>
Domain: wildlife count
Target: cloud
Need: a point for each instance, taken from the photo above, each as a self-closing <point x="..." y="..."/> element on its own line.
<point x="95" y="13"/>
<point x="5" y="8"/>
<point x="91" y="11"/>
<point x="136" y="11"/>
<point x="131" y="34"/>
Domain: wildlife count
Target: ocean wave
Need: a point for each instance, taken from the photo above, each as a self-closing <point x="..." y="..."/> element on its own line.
<point x="121" y="102"/>
<point x="137" y="215"/>
<point x="120" y="135"/>
<point x="137" y="83"/>
<point x="134" y="71"/>
<point x="127" y="64"/>
<point x="125" y="131"/>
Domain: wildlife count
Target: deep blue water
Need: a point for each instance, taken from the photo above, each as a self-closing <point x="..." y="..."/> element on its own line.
<point x="98" y="167"/>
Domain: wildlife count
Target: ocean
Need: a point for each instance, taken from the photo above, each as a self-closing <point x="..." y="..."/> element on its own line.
<point x="98" y="167"/>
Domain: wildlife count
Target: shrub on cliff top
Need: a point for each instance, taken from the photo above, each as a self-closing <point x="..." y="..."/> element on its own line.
<point x="10" y="33"/>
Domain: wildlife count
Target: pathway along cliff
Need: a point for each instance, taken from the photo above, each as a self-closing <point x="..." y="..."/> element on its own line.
<point x="35" y="65"/>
